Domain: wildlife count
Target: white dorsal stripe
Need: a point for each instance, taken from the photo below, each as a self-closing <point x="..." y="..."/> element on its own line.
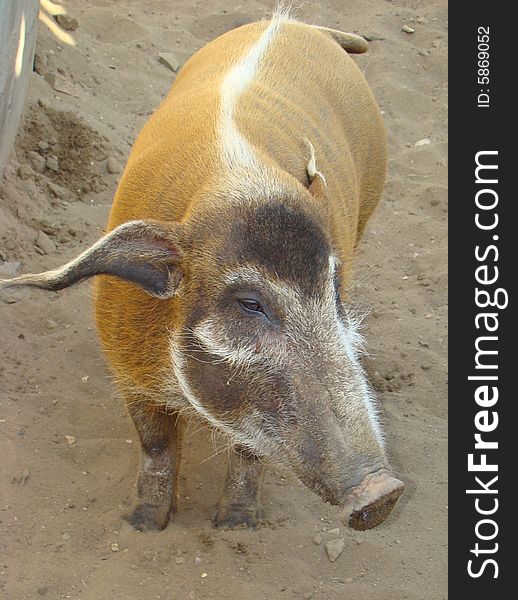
<point x="236" y="149"/>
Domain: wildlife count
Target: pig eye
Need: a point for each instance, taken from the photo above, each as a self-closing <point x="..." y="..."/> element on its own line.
<point x="251" y="306"/>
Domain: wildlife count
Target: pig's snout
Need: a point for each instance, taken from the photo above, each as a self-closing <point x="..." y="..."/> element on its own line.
<point x="369" y="503"/>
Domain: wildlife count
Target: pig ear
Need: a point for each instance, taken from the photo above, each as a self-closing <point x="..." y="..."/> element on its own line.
<point x="317" y="181"/>
<point x="143" y="252"/>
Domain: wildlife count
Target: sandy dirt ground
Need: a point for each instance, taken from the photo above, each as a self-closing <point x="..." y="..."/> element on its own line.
<point x="61" y="531"/>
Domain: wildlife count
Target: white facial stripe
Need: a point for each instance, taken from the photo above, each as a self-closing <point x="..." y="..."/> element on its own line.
<point x="352" y="341"/>
<point x="205" y="333"/>
<point x="249" y="434"/>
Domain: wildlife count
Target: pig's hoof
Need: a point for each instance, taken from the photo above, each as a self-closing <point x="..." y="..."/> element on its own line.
<point x="146" y="517"/>
<point x="231" y="518"/>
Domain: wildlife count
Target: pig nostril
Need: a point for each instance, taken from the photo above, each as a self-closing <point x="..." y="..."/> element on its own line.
<point x="376" y="512"/>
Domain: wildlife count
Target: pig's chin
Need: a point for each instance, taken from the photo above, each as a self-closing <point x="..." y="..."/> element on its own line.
<point x="368" y="504"/>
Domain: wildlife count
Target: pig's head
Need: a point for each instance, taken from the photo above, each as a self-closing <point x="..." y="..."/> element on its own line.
<point x="262" y="345"/>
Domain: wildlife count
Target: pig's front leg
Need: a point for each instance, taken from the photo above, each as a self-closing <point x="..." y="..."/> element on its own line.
<point x="160" y="437"/>
<point x="240" y="503"/>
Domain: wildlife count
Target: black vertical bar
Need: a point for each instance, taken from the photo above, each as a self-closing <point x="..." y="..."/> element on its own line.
<point x="482" y="123"/>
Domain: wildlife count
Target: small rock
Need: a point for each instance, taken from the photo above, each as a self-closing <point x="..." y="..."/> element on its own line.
<point x="60" y="84"/>
<point x="359" y="542"/>
<point x="348" y="580"/>
<point x="179" y="560"/>
<point x="52" y="163"/>
<point x="129" y="441"/>
<point x="37" y="161"/>
<point x="51" y="324"/>
<point x="56" y="190"/>
<point x="373" y="37"/>
<point x="23" y="477"/>
<point x="65" y="536"/>
<point x="85" y="378"/>
<point x="423" y="142"/>
<point x="70" y="439"/>
<point x="407" y="29"/>
<point x="114" y="547"/>
<point x="334" y="548"/>
<point x="40" y="63"/>
<point x="67" y="22"/>
<point x="42" y="591"/>
<point x="335" y="531"/>
<point x="204" y="575"/>
<point x="9" y="268"/>
<point x="436" y="43"/>
<point x="25" y="172"/>
<point x="422" y="20"/>
<point x="197" y="561"/>
<point x="113" y="166"/>
<point x="426" y="366"/>
<point x="10" y="296"/>
<point x="191" y="596"/>
<point x="169" y="60"/>
<point x="45" y="244"/>
<point x="317" y="539"/>
<point x="43" y="145"/>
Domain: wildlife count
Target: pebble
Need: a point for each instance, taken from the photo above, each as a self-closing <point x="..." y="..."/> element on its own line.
<point x="373" y="37"/>
<point x="57" y="190"/>
<point x="169" y="60"/>
<point x="334" y="548"/>
<point x="423" y="142"/>
<point x="422" y="20"/>
<point x="52" y="163"/>
<point x="85" y="378"/>
<point x="70" y="439"/>
<point x="25" y="171"/>
<point x="40" y="63"/>
<point x="10" y="268"/>
<point x="114" y="547"/>
<point x="44" y="243"/>
<point x="43" y="145"/>
<point x="179" y="560"/>
<point x="42" y="591"/>
<point x="67" y="22"/>
<point x="113" y="166"/>
<point x="22" y="479"/>
<point x="197" y="561"/>
<point x="60" y="84"/>
<point x="317" y="539"/>
<point x="12" y="296"/>
<point x="407" y="29"/>
<point x="348" y="580"/>
<point x="335" y="531"/>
